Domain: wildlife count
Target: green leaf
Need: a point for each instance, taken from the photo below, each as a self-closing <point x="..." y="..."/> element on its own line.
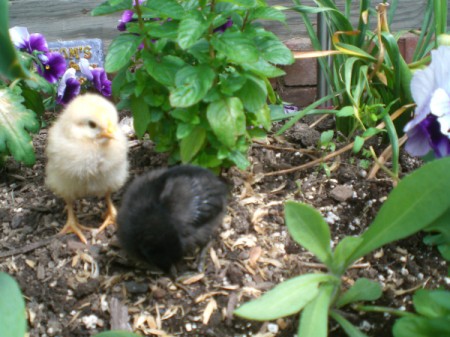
<point x="109" y="7"/>
<point x="232" y="83"/>
<point x="285" y="299"/>
<point x="343" y="251"/>
<point x="191" y="29"/>
<point x="346" y="111"/>
<point x="116" y="333"/>
<point x="348" y="327"/>
<point x="421" y="327"/>
<point x="237" y="47"/>
<point x="10" y="65"/>
<point x="161" y="29"/>
<point x="243" y="3"/>
<point x="12" y="308"/>
<point x="307" y="227"/>
<point x="15" y="121"/>
<point x="253" y="93"/>
<point x="263" y="68"/>
<point x="266" y="13"/>
<point x="141" y="115"/>
<point x="192" y="84"/>
<point x="227" y="119"/>
<point x="314" y="318"/>
<point x="417" y="201"/>
<point x="432" y="303"/>
<point x="120" y="51"/>
<point x="239" y="159"/>
<point x="273" y="50"/>
<point x="164" y="70"/>
<point x="362" y="290"/>
<point x="166" y="8"/>
<point x="358" y="144"/>
<point x="326" y="137"/>
<point x="191" y="145"/>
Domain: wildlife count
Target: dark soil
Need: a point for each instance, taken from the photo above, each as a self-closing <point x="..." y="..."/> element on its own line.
<point x="72" y="289"/>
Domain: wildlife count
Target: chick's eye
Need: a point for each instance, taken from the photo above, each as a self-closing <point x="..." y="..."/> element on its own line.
<point x="92" y="124"/>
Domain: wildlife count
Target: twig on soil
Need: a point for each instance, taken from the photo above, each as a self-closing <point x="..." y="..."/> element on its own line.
<point x="28" y="248"/>
<point x="383" y="158"/>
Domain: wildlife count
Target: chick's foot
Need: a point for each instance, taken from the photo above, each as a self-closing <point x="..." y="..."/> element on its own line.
<point x="72" y="225"/>
<point x="111" y="214"/>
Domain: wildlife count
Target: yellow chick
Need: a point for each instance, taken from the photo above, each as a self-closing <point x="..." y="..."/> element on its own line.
<point x="87" y="156"/>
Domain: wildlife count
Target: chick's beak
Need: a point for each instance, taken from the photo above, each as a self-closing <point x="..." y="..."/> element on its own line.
<point x="108" y="132"/>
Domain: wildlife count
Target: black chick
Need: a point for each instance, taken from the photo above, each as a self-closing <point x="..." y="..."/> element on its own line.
<point x="169" y="212"/>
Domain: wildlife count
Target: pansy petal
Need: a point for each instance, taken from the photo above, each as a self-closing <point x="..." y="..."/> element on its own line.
<point x="85" y="68"/>
<point x="53" y="68"/>
<point x="422" y="86"/>
<point x="70" y="73"/>
<point x="440" y="103"/>
<point x="19" y="36"/>
<point x="444" y="122"/>
<point x="72" y="89"/>
<point x="418" y="142"/>
<point x="440" y="65"/>
<point x="37" y="42"/>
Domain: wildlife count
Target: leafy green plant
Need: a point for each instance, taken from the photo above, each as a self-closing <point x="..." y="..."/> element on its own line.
<point x="195" y="74"/>
<point x="432" y="318"/>
<point x="419" y="202"/>
<point x="368" y="78"/>
<point x="12" y="308"/>
<point x="13" y="315"/>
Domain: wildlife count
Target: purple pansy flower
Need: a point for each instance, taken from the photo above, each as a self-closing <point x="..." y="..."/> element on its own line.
<point x="429" y="130"/>
<point x="68" y="87"/>
<point x="28" y="42"/>
<point x="224" y="27"/>
<point x="53" y="67"/>
<point x="97" y="76"/>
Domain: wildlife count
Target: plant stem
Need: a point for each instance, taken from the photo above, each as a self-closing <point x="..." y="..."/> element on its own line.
<point x="141" y="23"/>
<point x="385" y="310"/>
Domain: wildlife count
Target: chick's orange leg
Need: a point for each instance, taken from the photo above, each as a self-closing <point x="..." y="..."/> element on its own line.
<point x="72" y="225"/>
<point x="111" y="213"/>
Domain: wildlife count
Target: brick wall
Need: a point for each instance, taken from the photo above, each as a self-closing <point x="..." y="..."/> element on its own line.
<point x="299" y="85"/>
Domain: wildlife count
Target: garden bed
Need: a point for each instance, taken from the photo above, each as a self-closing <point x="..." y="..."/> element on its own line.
<point x="72" y="289"/>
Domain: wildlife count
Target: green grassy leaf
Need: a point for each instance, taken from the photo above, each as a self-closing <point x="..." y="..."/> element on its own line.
<point x="109" y="7"/>
<point x="285" y="299"/>
<point x="314" y="318"/>
<point x="307" y="227"/>
<point x="227" y="120"/>
<point x="417" y="201"/>
<point x="120" y="51"/>
<point x="12" y="308"/>
<point x="10" y="66"/>
<point x="192" y="84"/>
<point x="15" y="123"/>
<point x="191" y="28"/>
<point x="362" y="290"/>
